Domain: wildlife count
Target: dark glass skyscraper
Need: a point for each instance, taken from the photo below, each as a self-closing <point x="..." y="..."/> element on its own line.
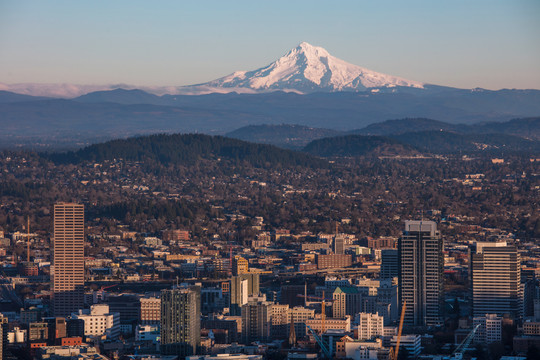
<point x="180" y="321"/>
<point x="421" y="266"/>
<point x="389" y="263"/>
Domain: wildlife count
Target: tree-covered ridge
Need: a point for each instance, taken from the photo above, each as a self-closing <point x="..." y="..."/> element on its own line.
<point x="429" y="142"/>
<point x="187" y="149"/>
<point x="444" y="142"/>
<point x="358" y="145"/>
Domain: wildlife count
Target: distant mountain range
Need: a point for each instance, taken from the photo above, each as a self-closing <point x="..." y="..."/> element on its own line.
<point x="405" y="137"/>
<point x="304" y="69"/>
<point x="425" y="143"/>
<point x="423" y="134"/>
<point x="307" y="86"/>
<point x="42" y="122"/>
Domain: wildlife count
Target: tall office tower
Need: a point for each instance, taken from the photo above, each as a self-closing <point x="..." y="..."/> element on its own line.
<point x="253" y="282"/>
<point x="238" y="295"/>
<point x="389" y="263"/>
<point x="256" y="319"/>
<point x="495" y="279"/>
<point x="421" y="265"/>
<point x="180" y="321"/>
<point x="3" y="334"/>
<point x="346" y="301"/>
<point x="68" y="259"/>
<point x="241" y="287"/>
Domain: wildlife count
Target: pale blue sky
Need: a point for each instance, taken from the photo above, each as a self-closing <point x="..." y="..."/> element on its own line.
<point x="485" y="43"/>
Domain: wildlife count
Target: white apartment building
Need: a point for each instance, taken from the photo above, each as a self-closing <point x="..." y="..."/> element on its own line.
<point x="98" y="321"/>
<point x="369" y="325"/>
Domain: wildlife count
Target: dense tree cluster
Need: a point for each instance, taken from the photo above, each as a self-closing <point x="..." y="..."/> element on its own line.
<point x="222" y="195"/>
<point x="188" y="149"/>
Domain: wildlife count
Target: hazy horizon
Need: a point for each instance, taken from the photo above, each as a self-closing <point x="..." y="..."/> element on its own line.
<point x="488" y="44"/>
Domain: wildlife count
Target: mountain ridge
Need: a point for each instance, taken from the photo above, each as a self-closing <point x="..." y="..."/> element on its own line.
<point x="303" y="69"/>
<point x="188" y="149"/>
<point x="120" y="113"/>
<point x="422" y="142"/>
<point x="307" y="68"/>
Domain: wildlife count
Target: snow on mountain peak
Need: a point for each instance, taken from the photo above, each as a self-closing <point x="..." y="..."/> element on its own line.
<point x="303" y="69"/>
<point x="307" y="68"/>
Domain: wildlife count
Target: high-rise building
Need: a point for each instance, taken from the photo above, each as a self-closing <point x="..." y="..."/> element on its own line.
<point x="238" y="295"/>
<point x="180" y="321"/>
<point x="495" y="279"/>
<point x="346" y="301"/>
<point x="253" y="282"/>
<point x="3" y="334"/>
<point x="256" y="319"/>
<point x="421" y="265"/>
<point x="68" y="259"/>
<point x="389" y="263"/>
<point x="241" y="287"/>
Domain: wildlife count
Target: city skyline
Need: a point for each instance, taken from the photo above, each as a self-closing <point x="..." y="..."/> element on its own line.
<point x="491" y="45"/>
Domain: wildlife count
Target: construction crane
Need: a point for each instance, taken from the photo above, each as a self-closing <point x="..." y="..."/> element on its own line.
<point x="324" y="349"/>
<point x="323" y="308"/>
<point x="460" y="350"/>
<point x="107" y="287"/>
<point x="396" y="350"/>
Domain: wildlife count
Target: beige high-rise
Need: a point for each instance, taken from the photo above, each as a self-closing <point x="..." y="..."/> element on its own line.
<point x="68" y="259"/>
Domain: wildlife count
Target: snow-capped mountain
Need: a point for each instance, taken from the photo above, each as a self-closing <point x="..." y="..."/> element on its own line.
<point x="304" y="69"/>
